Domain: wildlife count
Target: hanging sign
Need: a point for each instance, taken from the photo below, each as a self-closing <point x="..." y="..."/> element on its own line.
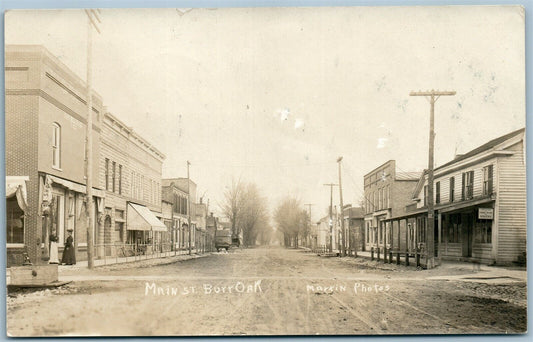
<point x="485" y="213"/>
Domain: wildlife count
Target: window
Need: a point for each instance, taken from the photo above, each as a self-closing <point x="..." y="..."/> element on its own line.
<point x="57" y="216"/>
<point x="487" y="180"/>
<point x="452" y="189"/>
<point x="387" y="197"/>
<point x="437" y="192"/>
<point x="15" y="221"/>
<point x="453" y="223"/>
<point x="141" y="187"/>
<point x="380" y="199"/>
<point x="468" y="185"/>
<point x="120" y="179"/>
<point x="107" y="174"/>
<point x="114" y="176"/>
<point x="56" y="145"/>
<point x="425" y="195"/>
<point x="119" y="228"/>
<point x="483" y="231"/>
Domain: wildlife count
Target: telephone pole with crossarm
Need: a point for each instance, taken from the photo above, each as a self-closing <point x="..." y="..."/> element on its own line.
<point x="430" y="236"/>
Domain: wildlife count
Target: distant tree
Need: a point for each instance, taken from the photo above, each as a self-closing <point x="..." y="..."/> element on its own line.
<point x="305" y="225"/>
<point x="292" y="221"/>
<point x="254" y="214"/>
<point x="232" y="205"/>
<point x="246" y="209"/>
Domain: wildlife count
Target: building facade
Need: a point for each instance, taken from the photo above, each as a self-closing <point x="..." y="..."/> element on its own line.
<point x="175" y="191"/>
<point x="387" y="192"/>
<point x="130" y="171"/>
<point x="46" y="118"/>
<point x="480" y="203"/>
<point x="354" y="224"/>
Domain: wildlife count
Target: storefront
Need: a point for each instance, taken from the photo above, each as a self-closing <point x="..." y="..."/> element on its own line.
<point x="143" y="227"/>
<point x="16" y="206"/>
<point x="467" y="232"/>
<point x="64" y="208"/>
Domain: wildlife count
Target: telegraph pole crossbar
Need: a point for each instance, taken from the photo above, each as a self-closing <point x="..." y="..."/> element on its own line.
<point x="430" y="236"/>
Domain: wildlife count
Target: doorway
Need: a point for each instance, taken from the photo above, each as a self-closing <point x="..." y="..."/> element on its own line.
<point x="467" y="233"/>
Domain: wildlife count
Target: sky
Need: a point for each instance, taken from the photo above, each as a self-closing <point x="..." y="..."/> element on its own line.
<point x="274" y="96"/>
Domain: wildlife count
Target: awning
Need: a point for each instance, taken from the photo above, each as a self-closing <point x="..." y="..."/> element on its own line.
<point x="75" y="186"/>
<point x="16" y="186"/>
<point x="141" y="218"/>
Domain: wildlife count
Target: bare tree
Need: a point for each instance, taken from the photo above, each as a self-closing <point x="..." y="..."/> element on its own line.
<point x="246" y="209"/>
<point x="254" y="214"/>
<point x="232" y="205"/>
<point x="292" y="221"/>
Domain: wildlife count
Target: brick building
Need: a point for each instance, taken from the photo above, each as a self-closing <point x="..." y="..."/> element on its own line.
<point x="175" y="191"/>
<point x="130" y="171"/>
<point x="45" y="124"/>
<point x="387" y="192"/>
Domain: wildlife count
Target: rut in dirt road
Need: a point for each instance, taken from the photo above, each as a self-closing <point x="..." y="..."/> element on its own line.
<point x="263" y="291"/>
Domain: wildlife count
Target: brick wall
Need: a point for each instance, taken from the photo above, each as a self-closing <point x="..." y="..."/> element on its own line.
<point x="21" y="160"/>
<point x="401" y="196"/>
<point x="41" y="90"/>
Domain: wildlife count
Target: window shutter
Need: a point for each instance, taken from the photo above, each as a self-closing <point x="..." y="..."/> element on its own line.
<point x="463" y="187"/>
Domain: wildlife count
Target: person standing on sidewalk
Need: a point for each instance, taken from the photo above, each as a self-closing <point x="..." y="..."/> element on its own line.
<point x="54" y="255"/>
<point x="68" y="253"/>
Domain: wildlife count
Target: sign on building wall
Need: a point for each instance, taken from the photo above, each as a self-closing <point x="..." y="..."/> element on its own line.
<point x="486" y="214"/>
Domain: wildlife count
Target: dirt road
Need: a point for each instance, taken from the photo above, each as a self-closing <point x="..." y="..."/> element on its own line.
<point x="266" y="291"/>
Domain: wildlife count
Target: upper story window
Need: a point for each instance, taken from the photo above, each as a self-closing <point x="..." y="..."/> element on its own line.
<point x="468" y="185"/>
<point x="120" y="179"/>
<point x="452" y="189"/>
<point x="425" y="195"/>
<point x="487" y="180"/>
<point x="56" y="145"/>
<point x="437" y="192"/>
<point x="107" y="174"/>
<point x="387" y="198"/>
<point x="114" y="176"/>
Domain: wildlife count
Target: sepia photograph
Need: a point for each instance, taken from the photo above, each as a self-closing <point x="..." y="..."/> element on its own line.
<point x="265" y="171"/>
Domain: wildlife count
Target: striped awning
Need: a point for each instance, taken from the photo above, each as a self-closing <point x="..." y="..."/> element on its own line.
<point x="141" y="218"/>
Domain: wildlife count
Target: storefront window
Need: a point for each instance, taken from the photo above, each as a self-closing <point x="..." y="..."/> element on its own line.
<point x="453" y="223"/>
<point x="15" y="221"/>
<point x="483" y="231"/>
<point x="58" y="216"/>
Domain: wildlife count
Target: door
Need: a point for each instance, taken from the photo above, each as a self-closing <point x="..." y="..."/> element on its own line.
<point x="107" y="235"/>
<point x="467" y="233"/>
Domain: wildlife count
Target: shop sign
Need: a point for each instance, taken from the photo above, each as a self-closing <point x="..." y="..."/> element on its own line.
<point x="486" y="213"/>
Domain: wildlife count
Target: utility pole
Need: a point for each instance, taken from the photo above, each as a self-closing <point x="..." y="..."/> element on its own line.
<point x="331" y="185"/>
<point x="430" y="236"/>
<point x="91" y="16"/>
<point x="309" y="205"/>
<point x="189" y="206"/>
<point x="343" y="251"/>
